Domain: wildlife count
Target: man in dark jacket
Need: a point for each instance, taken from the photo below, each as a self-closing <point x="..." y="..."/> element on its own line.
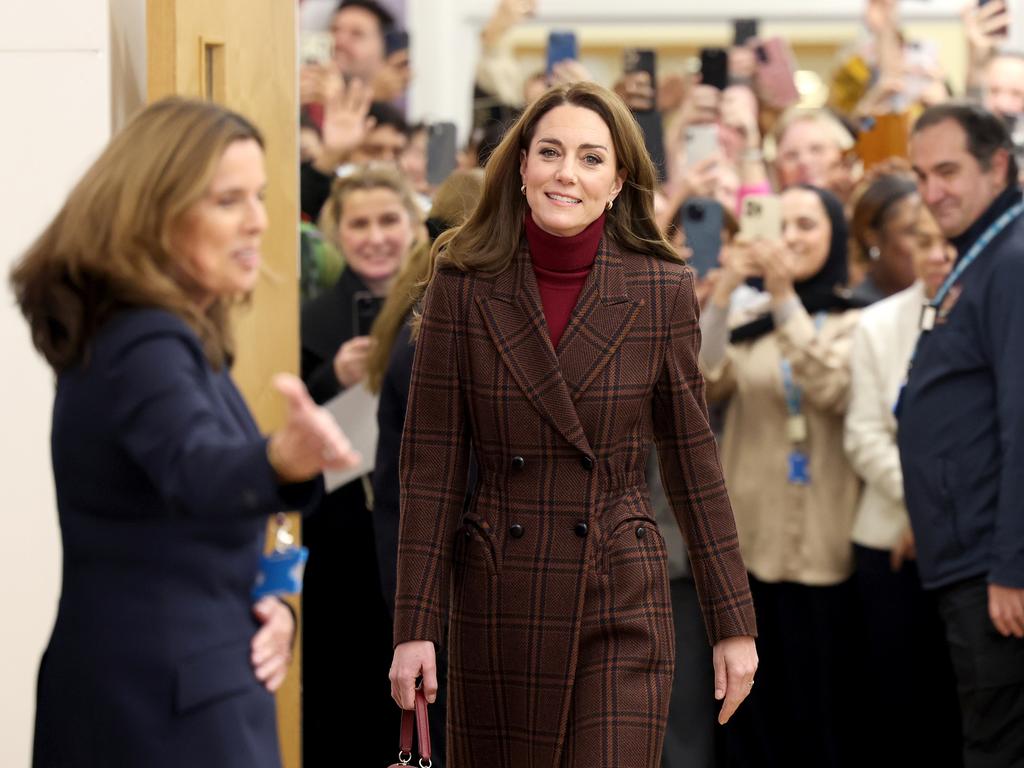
<point x="961" y="417"/>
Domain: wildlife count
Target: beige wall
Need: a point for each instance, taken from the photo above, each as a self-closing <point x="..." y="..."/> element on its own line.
<point x="55" y="78"/>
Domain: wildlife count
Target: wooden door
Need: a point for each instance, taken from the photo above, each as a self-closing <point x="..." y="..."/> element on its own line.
<point x="241" y="53"/>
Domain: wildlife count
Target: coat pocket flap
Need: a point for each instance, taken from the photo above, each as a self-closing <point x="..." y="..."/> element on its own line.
<point x="213" y="675"/>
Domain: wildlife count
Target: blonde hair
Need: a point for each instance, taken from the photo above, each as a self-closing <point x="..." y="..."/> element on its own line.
<point x="835" y="129"/>
<point x="109" y="246"/>
<point x="454" y="200"/>
<point x="365" y="178"/>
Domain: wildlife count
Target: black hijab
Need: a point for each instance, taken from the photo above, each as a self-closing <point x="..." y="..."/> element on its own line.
<point x="826" y="290"/>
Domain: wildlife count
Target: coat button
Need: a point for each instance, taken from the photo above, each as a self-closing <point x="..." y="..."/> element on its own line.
<point x="640" y="531"/>
<point x="516" y="531"/>
<point x="587" y="463"/>
<point x="581" y="529"/>
<point x="518" y="462"/>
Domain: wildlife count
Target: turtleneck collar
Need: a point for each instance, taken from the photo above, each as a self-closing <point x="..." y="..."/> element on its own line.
<point x="563" y="254"/>
<point x="1004" y="201"/>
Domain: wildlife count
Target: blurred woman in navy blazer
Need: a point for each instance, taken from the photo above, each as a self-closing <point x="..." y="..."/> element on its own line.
<point x="164" y="483"/>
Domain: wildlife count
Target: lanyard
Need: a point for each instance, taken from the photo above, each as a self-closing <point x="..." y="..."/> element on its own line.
<point x="931" y="310"/>
<point x="794" y="395"/>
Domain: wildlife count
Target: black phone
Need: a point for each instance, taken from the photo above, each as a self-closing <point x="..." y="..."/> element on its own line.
<point x="714" y="67"/>
<point x="743" y="30"/>
<point x="441" y="152"/>
<point x="395" y="40"/>
<point x="365" y="307"/>
<point x="562" y="45"/>
<point x="701" y="220"/>
<point x="654" y="138"/>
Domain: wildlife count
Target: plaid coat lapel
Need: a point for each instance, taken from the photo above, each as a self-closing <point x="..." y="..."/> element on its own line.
<point x="603" y="315"/>
<point x="514" y="318"/>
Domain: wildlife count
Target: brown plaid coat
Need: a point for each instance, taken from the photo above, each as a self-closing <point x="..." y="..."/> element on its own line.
<point x="553" y="577"/>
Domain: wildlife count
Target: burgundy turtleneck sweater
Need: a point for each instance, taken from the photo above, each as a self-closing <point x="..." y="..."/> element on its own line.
<point x="561" y="265"/>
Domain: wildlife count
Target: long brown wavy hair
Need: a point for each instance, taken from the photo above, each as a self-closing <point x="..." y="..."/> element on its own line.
<point x="109" y="246"/>
<point x="454" y="200"/>
<point x="489" y="239"/>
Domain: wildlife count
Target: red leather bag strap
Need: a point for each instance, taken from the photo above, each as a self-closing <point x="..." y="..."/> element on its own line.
<point x="416" y="720"/>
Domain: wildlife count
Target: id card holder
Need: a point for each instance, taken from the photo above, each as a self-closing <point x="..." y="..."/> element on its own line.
<point x="799" y="468"/>
<point x="796" y="428"/>
<point x="282" y="570"/>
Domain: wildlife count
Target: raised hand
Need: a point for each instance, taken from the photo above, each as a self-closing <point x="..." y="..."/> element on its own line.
<point x="346" y="121"/>
<point x="310" y="440"/>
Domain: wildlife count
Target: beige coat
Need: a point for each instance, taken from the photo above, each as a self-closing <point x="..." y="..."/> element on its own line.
<point x="789" y="532"/>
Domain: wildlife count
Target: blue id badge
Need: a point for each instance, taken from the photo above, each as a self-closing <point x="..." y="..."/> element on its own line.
<point x="281" y="571"/>
<point x="799" y="468"/>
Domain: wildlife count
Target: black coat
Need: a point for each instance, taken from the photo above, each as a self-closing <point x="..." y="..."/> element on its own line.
<point x="163" y="491"/>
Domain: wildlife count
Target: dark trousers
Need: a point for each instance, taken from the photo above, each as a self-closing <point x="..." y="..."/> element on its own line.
<point x="692" y="710"/>
<point x="908" y="674"/>
<point x="989" y="672"/>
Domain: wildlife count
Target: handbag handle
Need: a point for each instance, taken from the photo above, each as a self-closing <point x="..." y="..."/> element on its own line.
<point x="415" y="720"/>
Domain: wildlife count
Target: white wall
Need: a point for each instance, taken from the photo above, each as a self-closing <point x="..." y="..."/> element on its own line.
<point x="55" y="78"/>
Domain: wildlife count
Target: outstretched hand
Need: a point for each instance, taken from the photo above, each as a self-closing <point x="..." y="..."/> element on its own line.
<point x="310" y="440"/>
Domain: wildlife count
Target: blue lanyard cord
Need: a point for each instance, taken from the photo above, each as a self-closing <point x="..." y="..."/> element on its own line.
<point x="794" y="395"/>
<point x="982" y="242"/>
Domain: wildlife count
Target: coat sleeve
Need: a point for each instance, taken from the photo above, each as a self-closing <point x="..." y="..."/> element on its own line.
<point x="869" y="437"/>
<point x="171" y="423"/>
<point x="820" y="359"/>
<point x="433" y="465"/>
<point x="692" y="476"/>
<point x="1005" y="320"/>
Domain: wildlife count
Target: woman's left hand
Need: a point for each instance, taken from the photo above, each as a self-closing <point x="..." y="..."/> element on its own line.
<point x="272" y="644"/>
<point x="735" y="663"/>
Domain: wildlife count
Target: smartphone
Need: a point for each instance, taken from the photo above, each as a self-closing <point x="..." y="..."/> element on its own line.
<point x="317" y="48"/>
<point x="365" y="307"/>
<point x="920" y="58"/>
<point x="701" y="143"/>
<point x="761" y="216"/>
<point x="654" y="138"/>
<point x="562" y="45"/>
<point x="395" y="40"/>
<point x="743" y="30"/>
<point x="775" y="73"/>
<point x="441" y="152"/>
<point x="640" y="60"/>
<point x="714" y="67"/>
<point x="701" y="219"/>
<point x="1002" y="31"/>
<point x="882" y="138"/>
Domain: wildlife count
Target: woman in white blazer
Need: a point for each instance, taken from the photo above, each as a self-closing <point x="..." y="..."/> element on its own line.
<point x="905" y="641"/>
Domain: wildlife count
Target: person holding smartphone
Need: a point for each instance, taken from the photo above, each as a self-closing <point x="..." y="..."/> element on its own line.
<point x="782" y="366"/>
<point x="374" y="219"/>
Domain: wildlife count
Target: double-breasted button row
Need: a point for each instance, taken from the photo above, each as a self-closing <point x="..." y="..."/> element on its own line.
<point x="519" y="463"/>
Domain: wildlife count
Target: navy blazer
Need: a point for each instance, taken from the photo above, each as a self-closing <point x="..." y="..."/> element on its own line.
<point x="163" y="491"/>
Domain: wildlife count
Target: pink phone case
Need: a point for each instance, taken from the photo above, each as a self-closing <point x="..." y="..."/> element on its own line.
<point x="775" y="70"/>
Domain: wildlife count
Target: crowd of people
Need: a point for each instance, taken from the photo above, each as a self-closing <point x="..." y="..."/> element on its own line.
<point x="802" y="443"/>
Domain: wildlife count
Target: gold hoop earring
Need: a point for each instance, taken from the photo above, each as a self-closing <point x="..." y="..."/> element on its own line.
<point x="610" y="203"/>
<point x="523" y="189"/>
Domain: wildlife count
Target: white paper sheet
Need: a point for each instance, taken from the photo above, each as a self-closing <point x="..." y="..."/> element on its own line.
<point x="355" y="410"/>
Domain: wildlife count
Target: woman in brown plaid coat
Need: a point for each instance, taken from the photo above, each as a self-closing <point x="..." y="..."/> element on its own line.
<point x="551" y="579"/>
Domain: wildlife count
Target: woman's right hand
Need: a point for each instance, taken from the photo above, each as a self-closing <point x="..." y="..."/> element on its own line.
<point x="413" y="659"/>
<point x="351" y="361"/>
<point x="738" y="264"/>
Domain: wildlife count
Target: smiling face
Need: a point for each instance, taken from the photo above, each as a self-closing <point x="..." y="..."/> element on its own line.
<point x="570" y="170"/>
<point x="806" y="232"/>
<point x="950" y="180"/>
<point x="218" y="240"/>
<point x="807" y="154"/>
<point x="375" y="233"/>
<point x="933" y="255"/>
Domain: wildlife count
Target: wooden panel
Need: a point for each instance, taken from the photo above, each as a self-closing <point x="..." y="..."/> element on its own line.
<point x="242" y="54"/>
